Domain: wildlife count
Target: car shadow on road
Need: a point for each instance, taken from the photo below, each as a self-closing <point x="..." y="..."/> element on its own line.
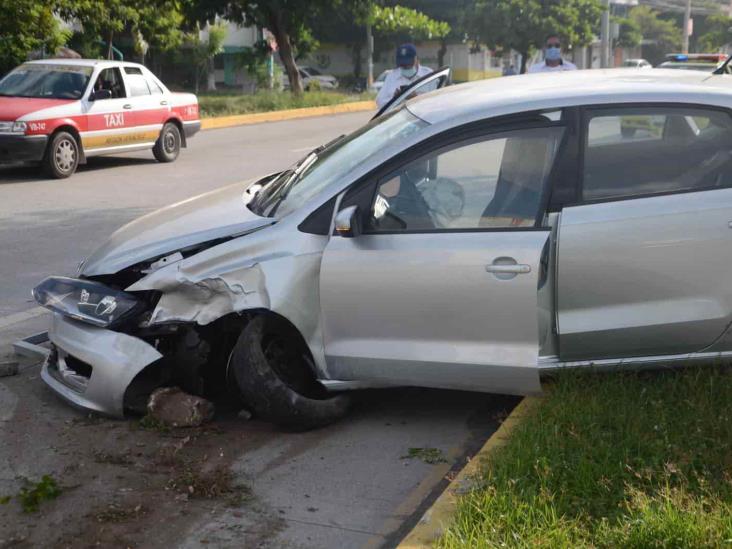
<point x="25" y="173"/>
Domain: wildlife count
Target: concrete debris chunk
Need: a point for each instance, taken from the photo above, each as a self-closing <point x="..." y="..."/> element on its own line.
<point x="8" y="368"/>
<point x="173" y="407"/>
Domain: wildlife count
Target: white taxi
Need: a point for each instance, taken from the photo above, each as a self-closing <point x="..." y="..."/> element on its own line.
<point x="59" y="112"/>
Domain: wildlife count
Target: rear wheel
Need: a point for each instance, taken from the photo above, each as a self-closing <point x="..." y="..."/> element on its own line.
<point x="167" y="147"/>
<point x="273" y="370"/>
<point x="62" y="156"/>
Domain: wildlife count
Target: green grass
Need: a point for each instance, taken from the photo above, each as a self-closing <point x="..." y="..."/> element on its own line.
<point x="227" y="103"/>
<point x="611" y="460"/>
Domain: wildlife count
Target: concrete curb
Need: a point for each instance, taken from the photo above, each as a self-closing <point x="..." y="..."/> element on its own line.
<point x="439" y="516"/>
<point x="288" y="114"/>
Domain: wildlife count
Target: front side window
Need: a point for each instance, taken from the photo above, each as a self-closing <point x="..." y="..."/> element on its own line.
<point x="110" y="79"/>
<point x="49" y="81"/>
<point x="495" y="182"/>
<point x="643" y="151"/>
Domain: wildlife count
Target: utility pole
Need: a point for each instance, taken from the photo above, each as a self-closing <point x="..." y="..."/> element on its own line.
<point x="687" y="25"/>
<point x="605" y="38"/>
<point x="369" y="57"/>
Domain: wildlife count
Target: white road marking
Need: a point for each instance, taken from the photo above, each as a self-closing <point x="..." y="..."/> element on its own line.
<point x="21" y="316"/>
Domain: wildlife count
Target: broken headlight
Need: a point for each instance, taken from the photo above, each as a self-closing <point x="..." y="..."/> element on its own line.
<point x="87" y="301"/>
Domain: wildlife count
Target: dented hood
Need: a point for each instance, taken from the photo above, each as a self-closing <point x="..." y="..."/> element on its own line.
<point x="218" y="214"/>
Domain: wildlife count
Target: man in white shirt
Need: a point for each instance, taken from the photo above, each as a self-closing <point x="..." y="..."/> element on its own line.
<point x="553" y="61"/>
<point x="407" y="72"/>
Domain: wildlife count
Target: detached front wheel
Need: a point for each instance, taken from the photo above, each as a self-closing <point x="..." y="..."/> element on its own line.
<point x="272" y="369"/>
<point x="62" y="156"/>
<point x="167" y="147"/>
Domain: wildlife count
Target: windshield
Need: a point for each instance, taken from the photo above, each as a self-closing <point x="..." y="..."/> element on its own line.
<point x="46" y="81"/>
<point x="327" y="165"/>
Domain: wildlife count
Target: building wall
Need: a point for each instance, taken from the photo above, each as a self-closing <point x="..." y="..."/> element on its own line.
<point x="337" y="59"/>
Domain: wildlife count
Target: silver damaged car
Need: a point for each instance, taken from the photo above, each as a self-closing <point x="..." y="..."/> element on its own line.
<point x="471" y="238"/>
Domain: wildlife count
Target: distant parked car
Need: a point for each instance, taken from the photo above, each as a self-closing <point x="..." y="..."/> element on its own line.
<point x="637" y="63"/>
<point x="59" y="112"/>
<point x="310" y="75"/>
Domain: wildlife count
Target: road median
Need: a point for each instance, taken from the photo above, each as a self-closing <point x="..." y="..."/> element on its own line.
<point x="287" y="114"/>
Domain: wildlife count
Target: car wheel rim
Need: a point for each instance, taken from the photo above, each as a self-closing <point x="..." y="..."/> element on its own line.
<point x="169" y="142"/>
<point x="65" y="155"/>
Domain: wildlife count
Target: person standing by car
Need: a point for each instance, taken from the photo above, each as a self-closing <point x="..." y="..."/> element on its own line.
<point x="407" y="72"/>
<point x="553" y="60"/>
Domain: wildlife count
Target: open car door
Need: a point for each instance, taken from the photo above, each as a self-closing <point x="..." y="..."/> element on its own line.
<point x="429" y="82"/>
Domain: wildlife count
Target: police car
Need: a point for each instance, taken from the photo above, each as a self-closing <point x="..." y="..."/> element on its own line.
<point x="59" y="112"/>
<point x="705" y="62"/>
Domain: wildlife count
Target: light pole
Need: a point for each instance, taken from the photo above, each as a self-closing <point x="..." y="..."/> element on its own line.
<point x="685" y="34"/>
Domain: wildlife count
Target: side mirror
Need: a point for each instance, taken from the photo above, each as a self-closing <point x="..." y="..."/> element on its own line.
<point x="100" y="94"/>
<point x="348" y="222"/>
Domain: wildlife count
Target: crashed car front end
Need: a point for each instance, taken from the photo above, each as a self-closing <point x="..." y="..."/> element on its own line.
<point x="113" y="342"/>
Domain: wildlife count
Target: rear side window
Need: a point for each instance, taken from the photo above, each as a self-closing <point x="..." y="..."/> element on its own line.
<point x="644" y="151"/>
<point x="138" y="85"/>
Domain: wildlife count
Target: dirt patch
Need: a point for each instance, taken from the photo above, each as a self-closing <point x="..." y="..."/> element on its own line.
<point x="115" y="482"/>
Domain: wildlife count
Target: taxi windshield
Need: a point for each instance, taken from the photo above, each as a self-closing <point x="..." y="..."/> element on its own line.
<point x="328" y="164"/>
<point x="47" y="81"/>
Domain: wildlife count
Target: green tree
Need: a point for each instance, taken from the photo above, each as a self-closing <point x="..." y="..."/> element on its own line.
<point x="719" y="33"/>
<point x="630" y="34"/>
<point x="663" y="35"/>
<point x="157" y="21"/>
<point x="452" y="12"/>
<point x="398" y="24"/>
<point x="25" y="26"/>
<point x="522" y="25"/>
<point x="288" y="20"/>
<point x="201" y="52"/>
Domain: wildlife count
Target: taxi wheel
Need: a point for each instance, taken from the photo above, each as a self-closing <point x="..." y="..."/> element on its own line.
<point x="272" y="368"/>
<point x="167" y="147"/>
<point x="62" y="156"/>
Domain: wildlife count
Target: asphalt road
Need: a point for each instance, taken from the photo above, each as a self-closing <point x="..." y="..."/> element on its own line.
<point x="344" y="486"/>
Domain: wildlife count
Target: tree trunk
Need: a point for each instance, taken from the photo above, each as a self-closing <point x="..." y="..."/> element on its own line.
<point x="110" y="51"/>
<point x="524" y="61"/>
<point x="287" y="56"/>
<point x="211" y="75"/>
<point x="441" y="53"/>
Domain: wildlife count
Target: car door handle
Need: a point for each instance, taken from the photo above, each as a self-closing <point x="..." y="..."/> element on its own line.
<point x="508" y="269"/>
<point x="127" y="106"/>
<point x="163" y="102"/>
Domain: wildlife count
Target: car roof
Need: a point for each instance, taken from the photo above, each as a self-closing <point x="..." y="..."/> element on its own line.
<point x="83" y="62"/>
<point x="482" y="99"/>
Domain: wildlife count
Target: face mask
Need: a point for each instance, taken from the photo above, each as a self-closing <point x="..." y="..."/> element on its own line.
<point x="553" y="54"/>
<point x="408" y="72"/>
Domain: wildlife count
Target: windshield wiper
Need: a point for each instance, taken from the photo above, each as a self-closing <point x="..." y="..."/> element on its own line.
<point x="308" y="161"/>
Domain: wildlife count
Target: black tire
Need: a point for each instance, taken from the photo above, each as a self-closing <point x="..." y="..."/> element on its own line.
<point x="167" y="147"/>
<point x="271" y="365"/>
<point x="62" y="156"/>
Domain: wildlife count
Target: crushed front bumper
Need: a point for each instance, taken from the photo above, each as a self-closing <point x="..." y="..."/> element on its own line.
<point x="92" y="367"/>
<point x="22" y="148"/>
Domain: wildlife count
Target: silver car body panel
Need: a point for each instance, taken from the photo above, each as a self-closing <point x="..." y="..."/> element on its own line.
<point x="421" y="309"/>
<point x="645" y="276"/>
<point x="115" y="359"/>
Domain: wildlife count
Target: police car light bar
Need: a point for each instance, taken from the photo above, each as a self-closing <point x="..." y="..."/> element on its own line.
<point x="710" y="57"/>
